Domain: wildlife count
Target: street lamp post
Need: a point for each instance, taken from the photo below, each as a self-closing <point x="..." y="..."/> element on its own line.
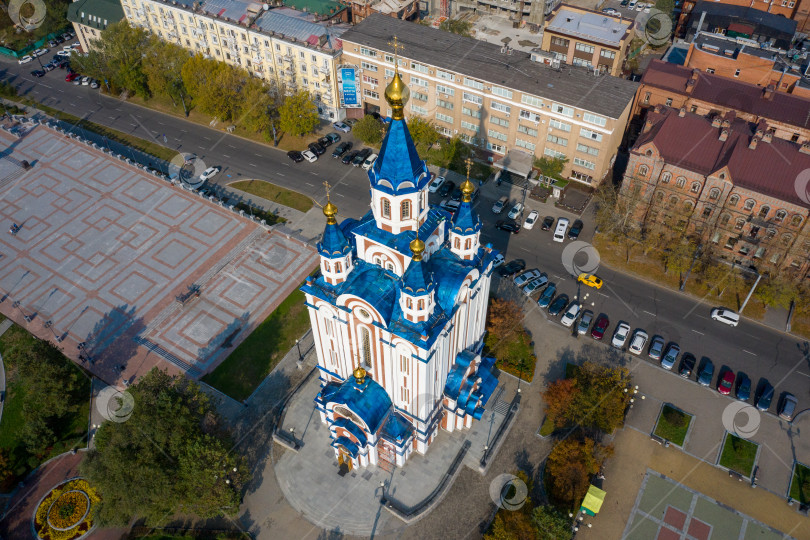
<point x="300" y="363"/>
<point x="383" y="500"/>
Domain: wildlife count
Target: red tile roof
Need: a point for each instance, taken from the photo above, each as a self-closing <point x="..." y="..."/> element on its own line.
<point x="692" y="143"/>
<point x="782" y="107"/>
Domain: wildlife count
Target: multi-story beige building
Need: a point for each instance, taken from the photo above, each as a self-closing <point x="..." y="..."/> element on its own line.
<point x="91" y="17"/>
<point x="495" y="98"/>
<point x="281" y="45"/>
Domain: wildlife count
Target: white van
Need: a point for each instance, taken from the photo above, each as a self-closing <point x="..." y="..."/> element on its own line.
<point x="726" y="316"/>
<point x="559" y="232"/>
<point x="369" y="162"/>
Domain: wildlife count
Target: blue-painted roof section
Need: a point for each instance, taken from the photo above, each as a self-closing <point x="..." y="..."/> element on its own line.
<point x="398" y="162"/>
<point x="452" y="386"/>
<point x="397" y="429"/>
<point x="471" y="393"/>
<point x="418" y="279"/>
<point x="369" y="400"/>
<point x="489" y="382"/>
<point x="465" y="220"/>
<point x="348" y="444"/>
<point x="402" y="241"/>
<point x="452" y="272"/>
<point x="352" y="428"/>
<point x="334" y="243"/>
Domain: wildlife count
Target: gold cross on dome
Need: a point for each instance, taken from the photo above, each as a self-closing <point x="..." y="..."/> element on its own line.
<point x="327" y="190"/>
<point x="397" y="46"/>
<point x="468" y="161"/>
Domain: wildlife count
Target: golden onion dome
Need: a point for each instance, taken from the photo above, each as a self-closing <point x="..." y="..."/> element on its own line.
<point x="397" y="96"/>
<point x="467" y="189"/>
<point x="417" y="248"/>
<point x="359" y="374"/>
<point x="330" y="211"/>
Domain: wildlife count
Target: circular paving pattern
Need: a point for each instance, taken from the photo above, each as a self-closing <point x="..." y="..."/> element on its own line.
<point x="66" y="511"/>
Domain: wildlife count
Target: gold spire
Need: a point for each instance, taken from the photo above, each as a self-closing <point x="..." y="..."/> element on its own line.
<point x="359" y="374"/>
<point x="329" y="210"/>
<point x="396" y="93"/>
<point x="417" y="247"/>
<point x="467" y="187"/>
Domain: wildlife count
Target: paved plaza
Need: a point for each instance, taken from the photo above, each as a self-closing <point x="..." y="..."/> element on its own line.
<point x="105" y="253"/>
<point x="667" y="510"/>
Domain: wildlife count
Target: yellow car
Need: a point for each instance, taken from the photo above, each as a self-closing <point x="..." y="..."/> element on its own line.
<point x="591" y="280"/>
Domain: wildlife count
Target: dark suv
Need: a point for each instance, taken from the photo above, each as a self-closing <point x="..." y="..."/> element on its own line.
<point x="361" y="157"/>
<point x="316" y="149"/>
<point x="341" y="149"/>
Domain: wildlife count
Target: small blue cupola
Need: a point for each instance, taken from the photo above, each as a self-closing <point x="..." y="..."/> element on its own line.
<point x="334" y="249"/>
<point x="465" y="228"/>
<point x="417" y="288"/>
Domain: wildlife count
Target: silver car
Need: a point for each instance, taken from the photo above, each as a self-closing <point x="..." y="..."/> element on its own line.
<point x="787" y="408"/>
<point x="535" y="285"/>
<point x="585" y="322"/>
<point x="527" y="276"/>
<point x="657" y="348"/>
<point x="638" y="341"/>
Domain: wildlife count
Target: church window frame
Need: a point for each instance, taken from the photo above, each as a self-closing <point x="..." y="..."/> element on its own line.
<point x="338" y="267"/>
<point x="405" y="209"/>
<point x="326" y="266"/>
<point x="365" y="345"/>
<point x="420" y="304"/>
<point x="385" y="208"/>
<point x="458" y="243"/>
<point x="468" y="243"/>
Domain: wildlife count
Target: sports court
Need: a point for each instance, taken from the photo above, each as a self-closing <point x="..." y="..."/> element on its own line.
<point x="126" y="271"/>
<point x="666" y="510"/>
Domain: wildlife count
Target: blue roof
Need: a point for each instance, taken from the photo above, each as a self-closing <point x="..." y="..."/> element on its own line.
<point x="334" y="242"/>
<point x="455" y="378"/>
<point x="348" y="444"/>
<point x="465" y="220"/>
<point x="402" y="241"/>
<point x="469" y="391"/>
<point x="398" y="162"/>
<point x="418" y="279"/>
<point x="397" y="429"/>
<point x="369" y="400"/>
<point x="352" y="428"/>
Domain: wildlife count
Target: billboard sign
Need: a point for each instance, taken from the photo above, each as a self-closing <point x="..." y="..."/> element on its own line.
<point x="349" y="98"/>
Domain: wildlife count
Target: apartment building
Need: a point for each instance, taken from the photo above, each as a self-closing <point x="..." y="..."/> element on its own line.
<point x="706" y="94"/>
<point x="401" y="9"/>
<point x="532" y="12"/>
<point x="281" y="45"/>
<point x="91" y="17"/>
<point x="745" y="21"/>
<point x="726" y="182"/>
<point x="586" y="38"/>
<point x="494" y="98"/>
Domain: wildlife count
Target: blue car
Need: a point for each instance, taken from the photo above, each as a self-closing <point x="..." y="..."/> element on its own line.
<point x="706" y="373"/>
<point x="548" y="294"/>
<point x="743" y="388"/>
<point x="763" y="400"/>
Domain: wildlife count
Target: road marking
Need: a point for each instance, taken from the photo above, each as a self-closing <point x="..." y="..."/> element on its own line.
<point x="227" y="156"/>
<point x="111" y="117"/>
<point x="257" y="155"/>
<point x="251" y="164"/>
<point x="231" y="146"/>
<point x="801" y="373"/>
<point x="648" y="313"/>
<point x="749" y="352"/>
<point x="206" y="138"/>
<point x="340" y="194"/>
<point x="133" y="125"/>
<point x="702" y="317"/>
<point x="60" y="90"/>
<point x="313" y="173"/>
<point x="278" y="173"/>
<point x="45" y="85"/>
<point x="602" y="294"/>
<point x="695" y="331"/>
<point x="526" y="250"/>
<point x="311" y="185"/>
<point x="161" y="123"/>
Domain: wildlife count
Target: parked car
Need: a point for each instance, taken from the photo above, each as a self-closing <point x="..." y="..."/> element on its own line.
<point x="25" y="59"/>
<point x="341" y="149"/>
<point x="310" y="156"/>
<point x="584" y="322"/>
<point x="725" y="316"/>
<point x="38" y="73"/>
<point x="93" y="83"/>
<point x="361" y="157"/>
<point x="600" y="326"/>
<point x="499" y="205"/>
<point x="548" y="221"/>
<point x="498" y="261"/>
<point x="511" y="268"/>
<point x="209" y="173"/>
<point x="620" y="335"/>
<point x="638" y="341"/>
<point x="725" y="382"/>
<point x="515" y="211"/>
<point x="85" y="81"/>
<point x="762" y="400"/>
<point x="39" y="52"/>
<point x="325" y="141"/>
<point x="316" y="149"/>
<point x="340" y="126"/>
<point x="559" y="303"/>
<point x="507" y="225"/>
<point x="527" y="276"/>
<point x="576" y="228"/>
<point x="369" y="162"/>
<point x="52" y="43"/>
<point x="436" y="184"/>
<point x="450" y="205"/>
<point x="743" y="387"/>
<point x="656" y="348"/>
<point x="295" y="155"/>
<point x="50" y="66"/>
<point x="706" y="373"/>
<point x="670" y="356"/>
<point x="559" y="232"/>
<point x="78" y="80"/>
<point x="688" y="362"/>
<point x="531" y="219"/>
<point x="535" y="285"/>
<point x="591" y="280"/>
<point x="547" y="295"/>
<point x="787" y="407"/>
<point x="447" y="188"/>
<point x="349" y="157"/>
<point x="570" y="314"/>
<point x="333" y="137"/>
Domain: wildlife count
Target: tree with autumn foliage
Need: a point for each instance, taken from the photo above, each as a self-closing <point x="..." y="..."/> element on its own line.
<point x="570" y="466"/>
<point x="515" y="523"/>
<point x="558" y="397"/>
<point x="508" y="341"/>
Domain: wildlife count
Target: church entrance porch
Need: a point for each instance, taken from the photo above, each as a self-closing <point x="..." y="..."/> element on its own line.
<point x="344" y="462"/>
<point x="310" y="484"/>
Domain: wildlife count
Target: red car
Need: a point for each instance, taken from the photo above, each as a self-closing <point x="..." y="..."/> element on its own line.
<point x="600" y="326"/>
<point x="726" y="382"/>
<point x="70" y="76"/>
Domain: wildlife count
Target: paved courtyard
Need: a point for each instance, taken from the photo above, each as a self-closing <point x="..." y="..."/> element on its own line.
<point x="104" y="251"/>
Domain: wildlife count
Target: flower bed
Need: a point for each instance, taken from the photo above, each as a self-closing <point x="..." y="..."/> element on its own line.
<point x="66" y="511"/>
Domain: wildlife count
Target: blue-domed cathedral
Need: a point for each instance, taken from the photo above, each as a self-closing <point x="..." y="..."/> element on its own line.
<point x="398" y="312"/>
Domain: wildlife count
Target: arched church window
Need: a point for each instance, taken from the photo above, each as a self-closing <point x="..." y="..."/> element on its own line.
<point x="338" y="267"/>
<point x="421" y="304"/>
<point x="468" y="244"/>
<point x="386" y="208"/>
<point x="390" y="266"/>
<point x="458" y="243"/>
<point x="365" y="338"/>
<point x="406" y="210"/>
<point x="409" y="303"/>
<point x="327" y="266"/>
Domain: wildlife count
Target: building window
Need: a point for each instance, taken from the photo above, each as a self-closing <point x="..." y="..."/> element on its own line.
<point x="445" y="75"/>
<point x="496" y="135"/>
<point x="563" y="110"/>
<point x="693" y="109"/>
<point x="559" y="125"/>
<point x="386" y="208"/>
<point x="774" y="258"/>
<point x="665" y="178"/>
<point x="368" y="52"/>
<point x="338" y="267"/>
<point x="503" y="92"/>
<point x="525" y="144"/>
<point x="796" y="221"/>
<point x="749" y="204"/>
<point x="365" y="338"/>
<point x="594" y="119"/>
<point x="495" y="147"/>
<point x="371" y="93"/>
<point x="787" y="239"/>
<point x="643" y="170"/>
<point x="370" y="67"/>
<point x="763" y="212"/>
<point x="530" y="116"/>
<point x="441" y="89"/>
<point x="680" y="182"/>
<point x="527" y="130"/>
<point x="709" y="70"/>
<point x="587" y="149"/>
<point x="419" y="67"/>
<point x="560" y="42"/>
<point x="418" y="96"/>
<point x="592" y="135"/>
<point x="418" y="82"/>
<point x="499" y="121"/>
<point x="506" y="109"/>
<point x="780" y="216"/>
<point x="531" y="100"/>
<point x="695" y="187"/>
<point x="418" y="110"/>
<point x="584" y="163"/>
<point x="739" y="224"/>
<point x="583" y="47"/>
<point x="714" y="194"/>
<point x="444" y="118"/>
<point x="770" y="233"/>
<point x="557" y="140"/>
<point x="444" y="104"/>
<point x="468" y="125"/>
<point x="707" y="212"/>
<point x="610" y="55"/>
<point x="737" y="73"/>
<point x="470" y="112"/>
<point x="472" y="83"/>
<point x="472" y="98"/>
<point x="733" y="200"/>
<point x="370" y="80"/>
<point x="406" y="210"/>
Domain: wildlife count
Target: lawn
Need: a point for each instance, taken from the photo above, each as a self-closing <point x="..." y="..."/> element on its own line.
<point x="514" y="356"/>
<point x="673" y="424"/>
<point x="248" y="365"/>
<point x="70" y="433"/>
<point x="738" y="455"/>
<point x="272" y="192"/>
<point x="800" y="485"/>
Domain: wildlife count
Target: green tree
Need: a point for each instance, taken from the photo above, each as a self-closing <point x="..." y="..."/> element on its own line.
<point x="551" y="167"/>
<point x="171" y="456"/>
<point x="514" y="523"/>
<point x="424" y="134"/>
<point x="369" y="130"/>
<point x="462" y="28"/>
<point x="163" y="64"/>
<point x="551" y="524"/>
<point x="217" y="87"/>
<point x="298" y="115"/>
<point x="679" y="256"/>
<point x="596" y="400"/>
<point x="776" y="292"/>
<point x="258" y="108"/>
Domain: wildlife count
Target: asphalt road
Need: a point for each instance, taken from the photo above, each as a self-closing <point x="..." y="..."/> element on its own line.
<point x="755" y="349"/>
